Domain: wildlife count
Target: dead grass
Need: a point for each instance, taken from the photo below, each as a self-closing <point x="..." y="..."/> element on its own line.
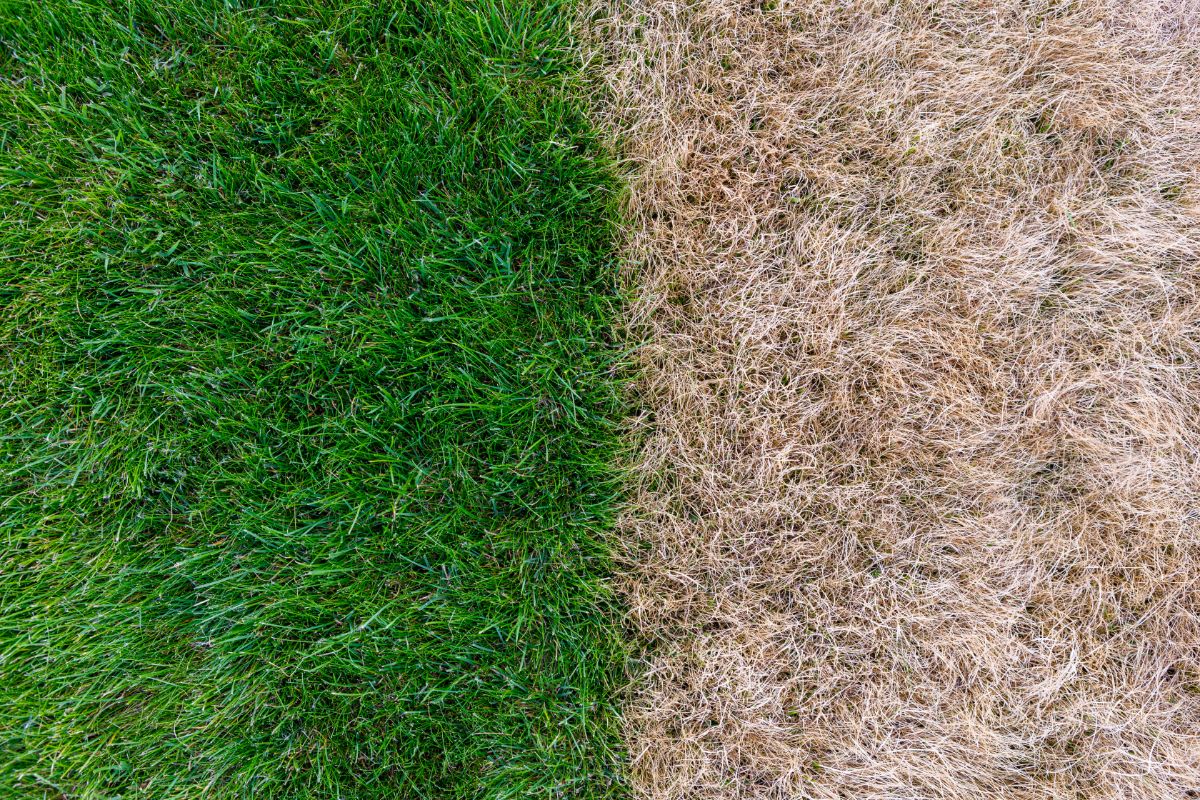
<point x="918" y="513"/>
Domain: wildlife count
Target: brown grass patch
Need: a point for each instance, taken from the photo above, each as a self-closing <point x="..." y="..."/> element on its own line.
<point x="918" y="512"/>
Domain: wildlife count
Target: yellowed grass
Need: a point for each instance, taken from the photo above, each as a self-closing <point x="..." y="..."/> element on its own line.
<point x="918" y="511"/>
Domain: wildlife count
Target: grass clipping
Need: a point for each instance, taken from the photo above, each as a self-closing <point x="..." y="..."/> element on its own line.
<point x="918" y="510"/>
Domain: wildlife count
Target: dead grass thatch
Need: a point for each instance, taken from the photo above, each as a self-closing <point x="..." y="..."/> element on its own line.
<point x="918" y="512"/>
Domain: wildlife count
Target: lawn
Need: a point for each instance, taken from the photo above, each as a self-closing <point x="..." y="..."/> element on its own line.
<point x="307" y="403"/>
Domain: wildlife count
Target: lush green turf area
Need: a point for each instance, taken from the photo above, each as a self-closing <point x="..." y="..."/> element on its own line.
<point x="306" y="403"/>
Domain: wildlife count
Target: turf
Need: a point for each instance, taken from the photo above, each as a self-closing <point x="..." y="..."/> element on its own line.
<point x="306" y="403"/>
<point x="916" y="512"/>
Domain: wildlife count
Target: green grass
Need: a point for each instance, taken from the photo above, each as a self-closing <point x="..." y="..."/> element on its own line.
<point x="307" y="403"/>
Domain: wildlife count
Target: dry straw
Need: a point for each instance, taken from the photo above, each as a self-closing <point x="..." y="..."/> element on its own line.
<point x="918" y="511"/>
